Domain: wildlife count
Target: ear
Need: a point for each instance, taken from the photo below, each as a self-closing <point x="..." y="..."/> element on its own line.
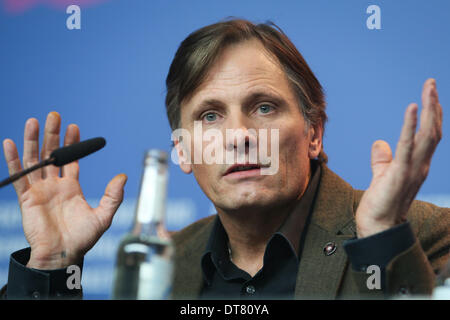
<point x="183" y="157"/>
<point x="315" y="142"/>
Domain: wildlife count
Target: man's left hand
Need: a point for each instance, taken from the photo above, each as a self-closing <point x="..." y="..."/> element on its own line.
<point x="396" y="182"/>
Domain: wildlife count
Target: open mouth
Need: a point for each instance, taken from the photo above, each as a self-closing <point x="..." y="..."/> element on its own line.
<point x="242" y="167"/>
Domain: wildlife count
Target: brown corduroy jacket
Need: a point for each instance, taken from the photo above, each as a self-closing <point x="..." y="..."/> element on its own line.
<point x="332" y="277"/>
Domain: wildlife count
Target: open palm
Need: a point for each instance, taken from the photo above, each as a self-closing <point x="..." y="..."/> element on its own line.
<point x="396" y="181"/>
<point x="58" y="223"/>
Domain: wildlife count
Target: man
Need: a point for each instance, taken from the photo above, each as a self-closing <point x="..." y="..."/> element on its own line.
<point x="274" y="236"/>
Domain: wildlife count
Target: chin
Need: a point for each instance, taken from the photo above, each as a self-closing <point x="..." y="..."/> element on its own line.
<point x="248" y="199"/>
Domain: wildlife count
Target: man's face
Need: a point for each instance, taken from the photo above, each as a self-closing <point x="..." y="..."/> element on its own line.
<point x="250" y="91"/>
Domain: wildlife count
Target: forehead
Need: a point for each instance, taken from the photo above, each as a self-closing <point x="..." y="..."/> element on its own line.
<point x="240" y="69"/>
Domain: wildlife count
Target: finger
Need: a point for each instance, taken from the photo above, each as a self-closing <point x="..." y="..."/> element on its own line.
<point x="430" y="101"/>
<point x="31" y="149"/>
<point x="14" y="166"/>
<point x="435" y="100"/>
<point x="72" y="136"/>
<point x="111" y="200"/>
<point x="405" y="145"/>
<point x="429" y="132"/>
<point x="51" y="142"/>
<point x="381" y="157"/>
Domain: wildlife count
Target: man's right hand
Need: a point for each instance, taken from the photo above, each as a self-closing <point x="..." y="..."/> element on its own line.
<point x="57" y="221"/>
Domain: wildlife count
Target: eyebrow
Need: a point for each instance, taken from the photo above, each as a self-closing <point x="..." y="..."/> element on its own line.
<point x="254" y="96"/>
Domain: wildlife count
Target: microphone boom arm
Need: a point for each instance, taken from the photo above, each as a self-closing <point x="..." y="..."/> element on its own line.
<point x="62" y="156"/>
<point x="20" y="174"/>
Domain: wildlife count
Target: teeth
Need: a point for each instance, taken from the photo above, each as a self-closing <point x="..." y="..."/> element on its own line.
<point x="242" y="168"/>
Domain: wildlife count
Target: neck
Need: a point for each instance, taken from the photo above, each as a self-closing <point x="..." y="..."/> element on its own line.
<point x="251" y="230"/>
<point x="248" y="235"/>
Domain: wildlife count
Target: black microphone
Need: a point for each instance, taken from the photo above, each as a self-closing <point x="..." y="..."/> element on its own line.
<point x="62" y="156"/>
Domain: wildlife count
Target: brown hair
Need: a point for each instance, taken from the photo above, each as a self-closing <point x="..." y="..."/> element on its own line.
<point x="198" y="52"/>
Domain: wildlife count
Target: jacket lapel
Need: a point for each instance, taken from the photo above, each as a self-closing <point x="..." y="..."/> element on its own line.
<point x="188" y="271"/>
<point x="331" y="223"/>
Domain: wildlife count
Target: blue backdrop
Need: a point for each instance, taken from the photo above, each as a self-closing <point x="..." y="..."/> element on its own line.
<point x="109" y="78"/>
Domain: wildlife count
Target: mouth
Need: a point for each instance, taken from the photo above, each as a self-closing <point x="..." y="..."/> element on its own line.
<point x="243" y="170"/>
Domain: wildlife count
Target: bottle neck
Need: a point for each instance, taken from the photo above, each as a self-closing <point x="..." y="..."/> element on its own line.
<point x="150" y="207"/>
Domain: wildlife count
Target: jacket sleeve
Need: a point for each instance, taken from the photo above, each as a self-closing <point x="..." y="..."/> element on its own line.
<point x="411" y="269"/>
<point x="378" y="250"/>
<point x="27" y="283"/>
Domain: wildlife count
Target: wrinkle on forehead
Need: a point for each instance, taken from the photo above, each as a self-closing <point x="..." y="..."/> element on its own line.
<point x="253" y="54"/>
<point x="260" y="68"/>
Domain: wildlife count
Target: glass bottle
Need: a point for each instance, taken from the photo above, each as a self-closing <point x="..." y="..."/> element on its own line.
<point x="144" y="267"/>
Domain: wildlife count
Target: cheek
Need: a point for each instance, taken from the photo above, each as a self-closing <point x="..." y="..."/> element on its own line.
<point x="293" y="150"/>
<point x="201" y="173"/>
<point x="297" y="146"/>
<point x="206" y="176"/>
<point x="293" y="142"/>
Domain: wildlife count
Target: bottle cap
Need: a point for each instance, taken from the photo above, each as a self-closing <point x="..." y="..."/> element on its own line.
<point x="156" y="154"/>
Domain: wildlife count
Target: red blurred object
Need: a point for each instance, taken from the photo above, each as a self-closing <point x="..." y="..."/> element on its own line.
<point x="19" y="6"/>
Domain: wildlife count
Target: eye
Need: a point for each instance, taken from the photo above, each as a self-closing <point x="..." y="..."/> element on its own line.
<point x="265" y="108"/>
<point x="209" y="117"/>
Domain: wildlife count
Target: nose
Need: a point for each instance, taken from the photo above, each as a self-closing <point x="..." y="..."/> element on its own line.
<point x="240" y="136"/>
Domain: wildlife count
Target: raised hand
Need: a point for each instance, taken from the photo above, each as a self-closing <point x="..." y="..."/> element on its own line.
<point x="58" y="223"/>
<point x="396" y="182"/>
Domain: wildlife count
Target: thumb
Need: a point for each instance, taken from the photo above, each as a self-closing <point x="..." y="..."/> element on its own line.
<point x="111" y="200"/>
<point x="381" y="157"/>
